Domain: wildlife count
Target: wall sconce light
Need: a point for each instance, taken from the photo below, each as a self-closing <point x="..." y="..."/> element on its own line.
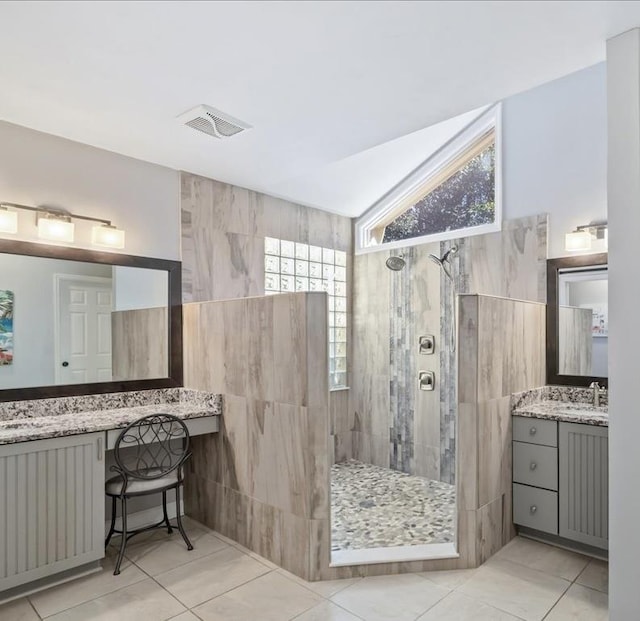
<point x="8" y="221"/>
<point x="57" y="225"/>
<point x="107" y="236"/>
<point x="583" y="237"/>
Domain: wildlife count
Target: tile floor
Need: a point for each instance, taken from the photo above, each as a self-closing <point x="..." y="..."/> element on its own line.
<point x="221" y="581"/>
<point x="375" y="507"/>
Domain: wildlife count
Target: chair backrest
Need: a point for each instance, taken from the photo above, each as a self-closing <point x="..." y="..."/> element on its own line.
<point x="156" y="445"/>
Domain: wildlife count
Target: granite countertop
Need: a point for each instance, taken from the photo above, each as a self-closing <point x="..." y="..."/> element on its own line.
<point x="42" y="424"/>
<point x="566" y="412"/>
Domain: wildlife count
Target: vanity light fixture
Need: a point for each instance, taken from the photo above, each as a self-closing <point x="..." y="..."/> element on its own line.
<point x="57" y="225"/>
<point x="107" y="235"/>
<point x="8" y="221"/>
<point x="584" y="236"/>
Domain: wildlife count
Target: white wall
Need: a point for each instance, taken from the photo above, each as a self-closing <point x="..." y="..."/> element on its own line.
<point x="555" y="153"/>
<point x="623" y="77"/>
<point x="40" y="169"/>
<point x="31" y="280"/>
<point x="136" y="287"/>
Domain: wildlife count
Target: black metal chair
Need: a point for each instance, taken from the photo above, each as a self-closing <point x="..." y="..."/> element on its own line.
<point x="150" y="454"/>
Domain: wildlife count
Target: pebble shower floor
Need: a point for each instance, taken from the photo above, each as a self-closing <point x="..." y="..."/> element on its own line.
<point x="374" y="507"/>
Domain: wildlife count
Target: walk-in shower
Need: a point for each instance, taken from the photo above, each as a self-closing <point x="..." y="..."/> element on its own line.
<point x="393" y="492"/>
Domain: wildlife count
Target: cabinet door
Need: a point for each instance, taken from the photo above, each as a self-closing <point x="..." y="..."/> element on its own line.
<point x="584" y="484"/>
<point x="51" y="507"/>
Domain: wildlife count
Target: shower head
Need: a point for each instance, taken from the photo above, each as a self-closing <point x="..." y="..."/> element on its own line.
<point x="395" y="263"/>
<point x="445" y="260"/>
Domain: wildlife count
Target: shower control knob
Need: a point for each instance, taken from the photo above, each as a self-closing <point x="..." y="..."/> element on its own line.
<point x="533" y="509"/>
<point x="533" y="431"/>
<point x="533" y="465"/>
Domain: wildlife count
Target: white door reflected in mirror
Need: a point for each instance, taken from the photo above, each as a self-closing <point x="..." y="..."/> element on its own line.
<point x="83" y="331"/>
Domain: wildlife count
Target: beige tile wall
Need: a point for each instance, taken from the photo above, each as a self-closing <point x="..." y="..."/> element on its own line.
<point x="502" y="351"/>
<point x="265" y="477"/>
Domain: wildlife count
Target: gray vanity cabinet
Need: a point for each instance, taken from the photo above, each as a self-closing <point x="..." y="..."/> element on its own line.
<point x="51" y="506"/>
<point x="583" y="452"/>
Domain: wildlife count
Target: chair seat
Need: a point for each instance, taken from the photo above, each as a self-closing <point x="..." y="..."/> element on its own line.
<point x="113" y="486"/>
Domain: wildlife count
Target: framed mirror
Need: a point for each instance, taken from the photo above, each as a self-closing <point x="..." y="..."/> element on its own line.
<point x="76" y="322"/>
<point x="577" y="320"/>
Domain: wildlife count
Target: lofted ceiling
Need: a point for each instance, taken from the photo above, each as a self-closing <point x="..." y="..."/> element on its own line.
<point x="341" y="95"/>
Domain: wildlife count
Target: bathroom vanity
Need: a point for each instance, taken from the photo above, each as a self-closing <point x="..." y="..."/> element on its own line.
<point x="560" y="468"/>
<point x="52" y="474"/>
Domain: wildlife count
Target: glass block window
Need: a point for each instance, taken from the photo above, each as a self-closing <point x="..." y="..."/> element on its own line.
<point x="291" y="266"/>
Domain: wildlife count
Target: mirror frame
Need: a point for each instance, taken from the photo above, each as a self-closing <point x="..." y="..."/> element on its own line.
<point x="553" y="270"/>
<point x="174" y="305"/>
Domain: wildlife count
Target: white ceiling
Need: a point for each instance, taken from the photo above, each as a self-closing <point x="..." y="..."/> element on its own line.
<point x="322" y="83"/>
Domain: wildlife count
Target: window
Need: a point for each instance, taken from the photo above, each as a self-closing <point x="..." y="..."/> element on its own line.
<point x="455" y="192"/>
<point x="291" y="266"/>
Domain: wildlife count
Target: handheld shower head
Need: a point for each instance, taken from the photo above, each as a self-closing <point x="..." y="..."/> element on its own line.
<point x="445" y="261"/>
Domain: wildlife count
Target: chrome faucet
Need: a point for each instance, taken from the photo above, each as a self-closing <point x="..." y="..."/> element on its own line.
<point x="597" y="392"/>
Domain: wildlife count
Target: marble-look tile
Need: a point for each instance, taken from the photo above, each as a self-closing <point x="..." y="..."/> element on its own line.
<point x="545" y="558"/>
<point x="489" y="524"/>
<point x="467" y="456"/>
<point x="327" y="611"/>
<point x="157" y="556"/>
<point x="185" y="616"/>
<point x="494" y="449"/>
<point x="87" y="588"/>
<point x="459" y="607"/>
<point x="449" y="579"/>
<point x="468" y="349"/>
<point x="376" y="598"/>
<point x="270" y="598"/>
<point x="324" y="588"/>
<point x="513" y="588"/>
<point x="260" y="347"/>
<point x="595" y="575"/>
<point x="139" y="344"/>
<point x="146" y="600"/>
<point x="18" y="610"/>
<point x="290" y="355"/>
<point x="210" y="576"/>
<point x="580" y="603"/>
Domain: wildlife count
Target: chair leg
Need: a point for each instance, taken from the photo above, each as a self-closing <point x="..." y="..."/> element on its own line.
<point x="179" y="520"/>
<point x="164" y="511"/>
<point x="124" y="536"/>
<point x="113" y="521"/>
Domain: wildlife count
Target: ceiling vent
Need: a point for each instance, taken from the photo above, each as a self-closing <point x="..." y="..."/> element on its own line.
<point x="213" y="122"/>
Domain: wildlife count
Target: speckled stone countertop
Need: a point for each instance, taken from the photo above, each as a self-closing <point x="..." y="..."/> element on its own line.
<point x="22" y="421"/>
<point x="561" y="403"/>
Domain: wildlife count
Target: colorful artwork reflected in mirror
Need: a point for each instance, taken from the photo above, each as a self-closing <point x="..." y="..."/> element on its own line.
<point x="6" y="327"/>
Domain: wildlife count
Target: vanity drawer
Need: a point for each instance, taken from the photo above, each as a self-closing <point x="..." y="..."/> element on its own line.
<point x="536" y="508"/>
<point x="534" y="464"/>
<point x="535" y="430"/>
